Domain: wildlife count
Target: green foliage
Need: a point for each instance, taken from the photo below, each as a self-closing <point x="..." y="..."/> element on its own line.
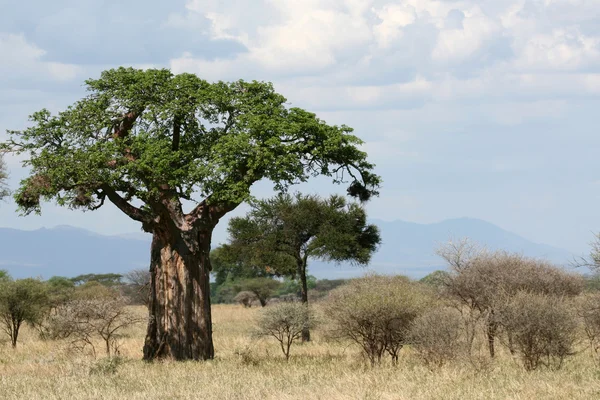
<point x="376" y="313"/>
<point x="284" y="231"/>
<point x="228" y="264"/>
<point x="263" y="288"/>
<point x="60" y="289"/>
<point x="437" y="279"/>
<point x="144" y="135"/>
<point x="22" y="300"/>
<point x="4" y="276"/>
<point x="292" y="286"/>
<point x="285" y="322"/>
<point x="103" y="279"/>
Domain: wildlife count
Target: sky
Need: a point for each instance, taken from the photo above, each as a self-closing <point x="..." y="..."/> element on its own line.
<point x="477" y="108"/>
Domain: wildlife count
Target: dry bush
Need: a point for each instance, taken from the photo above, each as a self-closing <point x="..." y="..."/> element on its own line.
<point x="438" y="336"/>
<point x="245" y="298"/>
<point x="588" y="308"/>
<point x="542" y="328"/>
<point x="481" y="280"/>
<point x="83" y="320"/>
<point x="376" y="312"/>
<point x="285" y="322"/>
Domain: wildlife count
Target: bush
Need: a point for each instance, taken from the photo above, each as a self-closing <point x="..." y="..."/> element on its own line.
<point x="285" y="322"/>
<point x="542" y="329"/>
<point x="589" y="311"/>
<point x="437" y="335"/>
<point x="83" y="319"/>
<point x="376" y="313"/>
<point x="245" y="298"/>
<point x="481" y="280"/>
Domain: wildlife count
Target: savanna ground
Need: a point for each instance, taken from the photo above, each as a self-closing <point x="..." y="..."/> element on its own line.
<point x="247" y="367"/>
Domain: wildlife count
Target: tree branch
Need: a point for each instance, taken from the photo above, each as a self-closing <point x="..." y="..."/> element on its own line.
<point x="130" y="210"/>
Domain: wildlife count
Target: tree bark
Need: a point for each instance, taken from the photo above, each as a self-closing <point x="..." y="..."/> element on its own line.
<point x="180" y="325"/>
<point x="303" y="294"/>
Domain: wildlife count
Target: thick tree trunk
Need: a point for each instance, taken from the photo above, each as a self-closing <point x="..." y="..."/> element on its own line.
<point x="180" y="327"/>
<point x="303" y="295"/>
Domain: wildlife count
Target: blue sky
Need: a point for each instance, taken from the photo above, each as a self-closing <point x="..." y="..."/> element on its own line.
<point x="486" y="109"/>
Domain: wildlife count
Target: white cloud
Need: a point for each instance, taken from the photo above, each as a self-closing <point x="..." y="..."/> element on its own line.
<point x="20" y="59"/>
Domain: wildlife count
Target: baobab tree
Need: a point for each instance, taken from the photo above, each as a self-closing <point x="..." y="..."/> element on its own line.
<point x="176" y="153"/>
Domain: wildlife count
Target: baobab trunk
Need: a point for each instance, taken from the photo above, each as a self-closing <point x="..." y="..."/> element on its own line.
<point x="179" y="326"/>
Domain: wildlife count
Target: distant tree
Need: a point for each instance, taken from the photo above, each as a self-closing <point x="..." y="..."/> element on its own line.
<point x="437" y="279"/>
<point x="229" y="265"/>
<point x="245" y="298"/>
<point x="103" y="279"/>
<point x="4" y="276"/>
<point x="294" y="286"/>
<point x="22" y="300"/>
<point x="60" y="289"/>
<point x="150" y="141"/>
<point x="286" y="231"/>
<point x="3" y="178"/>
<point x="138" y="286"/>
<point x="263" y="288"/>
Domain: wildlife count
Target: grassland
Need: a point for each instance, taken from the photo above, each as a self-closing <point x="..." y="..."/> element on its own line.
<point x="249" y="368"/>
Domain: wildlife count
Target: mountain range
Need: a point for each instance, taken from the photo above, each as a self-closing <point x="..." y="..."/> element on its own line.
<point x="408" y="248"/>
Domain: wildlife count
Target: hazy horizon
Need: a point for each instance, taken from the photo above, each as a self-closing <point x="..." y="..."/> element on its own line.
<point x="482" y="109"/>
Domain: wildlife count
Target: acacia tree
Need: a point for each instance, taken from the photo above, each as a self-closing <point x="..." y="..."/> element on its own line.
<point x="176" y="153"/>
<point x="286" y="231"/>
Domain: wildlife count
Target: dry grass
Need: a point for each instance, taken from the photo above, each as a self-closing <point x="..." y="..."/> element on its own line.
<point x="247" y="368"/>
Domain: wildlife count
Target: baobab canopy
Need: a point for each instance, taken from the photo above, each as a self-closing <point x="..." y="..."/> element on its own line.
<point x="146" y="140"/>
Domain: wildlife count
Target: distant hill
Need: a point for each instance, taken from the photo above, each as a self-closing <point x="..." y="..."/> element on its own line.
<point x="408" y="248"/>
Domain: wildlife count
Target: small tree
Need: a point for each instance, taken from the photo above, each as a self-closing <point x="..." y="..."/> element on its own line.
<point x="22" y="300"/>
<point x="542" y="328"/>
<point x="376" y="313"/>
<point x="286" y="231"/>
<point x="245" y="298"/>
<point x="285" y="322"/>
